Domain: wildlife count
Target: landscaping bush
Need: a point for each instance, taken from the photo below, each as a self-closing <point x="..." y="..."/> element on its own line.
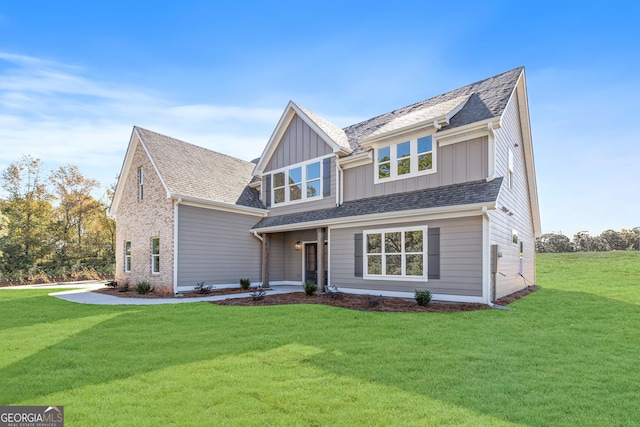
<point x="423" y="297"/>
<point x="124" y="287"/>
<point x="144" y="288"/>
<point x="112" y="284"/>
<point x="201" y="288"/>
<point x="310" y="288"/>
<point x="244" y="284"/>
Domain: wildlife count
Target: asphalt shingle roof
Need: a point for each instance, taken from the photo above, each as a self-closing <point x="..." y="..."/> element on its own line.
<point x="487" y="99"/>
<point x="449" y="195"/>
<point x="192" y="171"/>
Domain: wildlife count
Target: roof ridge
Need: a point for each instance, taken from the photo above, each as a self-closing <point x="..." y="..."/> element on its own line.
<point x="192" y="145"/>
<point x="442" y="94"/>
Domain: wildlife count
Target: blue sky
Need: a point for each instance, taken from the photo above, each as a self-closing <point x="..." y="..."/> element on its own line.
<point x="76" y="76"/>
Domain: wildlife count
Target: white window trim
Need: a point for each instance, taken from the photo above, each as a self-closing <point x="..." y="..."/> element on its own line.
<point x="413" y="156"/>
<point x="155" y="257"/>
<point x="127" y="256"/>
<point x="303" y="166"/>
<point x="140" y="183"/>
<point x="403" y="277"/>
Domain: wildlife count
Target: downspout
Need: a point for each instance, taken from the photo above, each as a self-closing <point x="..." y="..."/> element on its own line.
<point x="175" y="245"/>
<point x="256" y="235"/>
<point x="486" y="261"/>
<point x="340" y="184"/>
<point x="486" y="256"/>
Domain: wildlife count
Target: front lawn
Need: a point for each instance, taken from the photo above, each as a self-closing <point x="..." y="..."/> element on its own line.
<point x="567" y="355"/>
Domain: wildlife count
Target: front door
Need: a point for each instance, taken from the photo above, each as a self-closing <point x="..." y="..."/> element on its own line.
<point x="311" y="262"/>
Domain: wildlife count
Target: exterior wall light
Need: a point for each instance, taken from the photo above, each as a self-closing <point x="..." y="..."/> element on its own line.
<point x="298" y="245"/>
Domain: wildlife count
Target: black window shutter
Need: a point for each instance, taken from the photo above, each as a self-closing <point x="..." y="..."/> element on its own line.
<point x="326" y="177"/>
<point x="357" y="250"/>
<point x="433" y="252"/>
<point x="267" y="184"/>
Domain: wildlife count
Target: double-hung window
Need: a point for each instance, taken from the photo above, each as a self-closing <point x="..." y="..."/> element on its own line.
<point x="298" y="183"/>
<point x="396" y="253"/>
<point x="155" y="255"/>
<point x="405" y="159"/>
<point x="127" y="257"/>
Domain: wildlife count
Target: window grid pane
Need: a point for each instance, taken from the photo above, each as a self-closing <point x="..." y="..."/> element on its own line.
<point x="396" y="253"/>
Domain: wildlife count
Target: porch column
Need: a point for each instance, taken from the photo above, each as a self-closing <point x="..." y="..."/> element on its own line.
<point x="320" y="259"/>
<point x="265" y="260"/>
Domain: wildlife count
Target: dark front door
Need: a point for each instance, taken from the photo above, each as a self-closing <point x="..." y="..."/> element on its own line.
<point x="311" y="262"/>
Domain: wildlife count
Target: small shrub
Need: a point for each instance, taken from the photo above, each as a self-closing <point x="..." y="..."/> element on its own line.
<point x="144" y="288"/>
<point x="310" y="288"/>
<point x="201" y="288"/>
<point x="423" y="297"/>
<point x="244" y="284"/>
<point x="258" y="294"/>
<point x="111" y="284"/>
<point x="124" y="287"/>
<point x="374" y="300"/>
<point x="334" y="294"/>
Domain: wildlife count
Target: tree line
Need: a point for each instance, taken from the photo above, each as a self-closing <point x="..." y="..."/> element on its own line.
<point x="51" y="227"/>
<point x="609" y="240"/>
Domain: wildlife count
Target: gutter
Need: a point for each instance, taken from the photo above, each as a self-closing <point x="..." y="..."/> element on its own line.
<point x="256" y="235"/>
<point x="463" y="210"/>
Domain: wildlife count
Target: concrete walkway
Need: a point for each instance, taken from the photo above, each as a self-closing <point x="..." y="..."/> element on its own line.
<point x="83" y="294"/>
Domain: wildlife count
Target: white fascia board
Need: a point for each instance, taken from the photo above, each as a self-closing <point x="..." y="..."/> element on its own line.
<point x="283" y="123"/>
<point x="144" y="147"/>
<point x="356" y="160"/>
<point x="366" y="142"/>
<point x="466" y="132"/>
<point x="525" y="123"/>
<point x="291" y="110"/>
<point x="337" y="148"/>
<point x="428" y="214"/>
<point x="122" y="177"/>
<point x="126" y="168"/>
<point x="210" y="204"/>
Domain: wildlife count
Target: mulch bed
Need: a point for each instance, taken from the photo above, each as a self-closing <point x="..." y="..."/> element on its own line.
<point x="131" y="293"/>
<point x="370" y="302"/>
<point x="350" y="301"/>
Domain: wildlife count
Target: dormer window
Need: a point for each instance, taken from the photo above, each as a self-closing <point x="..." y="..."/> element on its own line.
<point x="405" y="159"/>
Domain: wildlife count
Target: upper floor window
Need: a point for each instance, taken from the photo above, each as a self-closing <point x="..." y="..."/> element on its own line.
<point x="405" y="159"/>
<point x="127" y="257"/>
<point x="155" y="255"/>
<point x="395" y="253"/>
<point x="298" y="183"/>
<point x="140" y="183"/>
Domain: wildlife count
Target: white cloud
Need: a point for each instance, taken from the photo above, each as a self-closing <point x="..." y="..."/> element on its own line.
<point x="56" y="113"/>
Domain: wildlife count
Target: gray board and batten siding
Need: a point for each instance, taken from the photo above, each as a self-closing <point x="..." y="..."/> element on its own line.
<point x="299" y="143"/>
<point x="460" y="259"/>
<point x="455" y="163"/>
<point x="516" y="200"/>
<point x="216" y="247"/>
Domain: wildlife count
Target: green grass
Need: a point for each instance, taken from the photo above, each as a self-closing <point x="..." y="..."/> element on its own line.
<point x="568" y="355"/>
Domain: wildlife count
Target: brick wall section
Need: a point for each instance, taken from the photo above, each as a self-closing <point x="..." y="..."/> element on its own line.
<point x="139" y="221"/>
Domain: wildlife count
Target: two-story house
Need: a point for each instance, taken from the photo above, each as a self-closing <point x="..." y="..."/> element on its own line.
<point x="438" y="195"/>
